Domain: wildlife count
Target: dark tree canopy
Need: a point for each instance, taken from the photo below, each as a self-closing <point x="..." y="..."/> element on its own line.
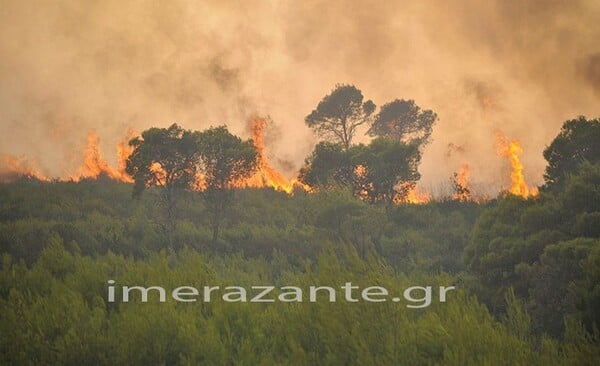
<point x="578" y="141"/>
<point x="340" y="113"/>
<point x="405" y="121"/>
<point x="379" y="172"/>
<point x="167" y="158"/>
<point x="547" y="249"/>
<point x="164" y="157"/>
<point x="327" y="166"/>
<point x="388" y="169"/>
<point x="224" y="160"/>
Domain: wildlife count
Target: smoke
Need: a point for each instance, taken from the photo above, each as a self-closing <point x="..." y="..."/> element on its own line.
<point x="520" y="67"/>
<point x="590" y="70"/>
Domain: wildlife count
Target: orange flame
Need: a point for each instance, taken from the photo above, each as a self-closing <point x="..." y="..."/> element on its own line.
<point x="13" y="168"/>
<point x="267" y="176"/>
<point x="414" y="195"/>
<point x="94" y="165"/>
<point x="512" y="149"/>
<point x="418" y="196"/>
<point x="360" y="173"/>
<point x="461" y="181"/>
<point x="159" y="173"/>
<point x="123" y="153"/>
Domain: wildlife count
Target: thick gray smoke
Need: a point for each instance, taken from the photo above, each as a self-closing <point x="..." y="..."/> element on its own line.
<point x="521" y="67"/>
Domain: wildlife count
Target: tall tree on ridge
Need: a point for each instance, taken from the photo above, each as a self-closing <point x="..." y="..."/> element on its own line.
<point x="166" y="158"/>
<point x="340" y="113"/>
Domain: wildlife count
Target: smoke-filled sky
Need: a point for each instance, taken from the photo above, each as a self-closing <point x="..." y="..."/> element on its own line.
<point x="520" y="67"/>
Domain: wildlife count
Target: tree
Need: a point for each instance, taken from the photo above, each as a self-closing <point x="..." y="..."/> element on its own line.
<point x="385" y="169"/>
<point x="327" y="166"/>
<point x="498" y="245"/>
<point x="545" y="248"/>
<point x="405" y="121"/>
<point x="578" y="140"/>
<point x="382" y="171"/>
<point x="167" y="158"/>
<point x="340" y="113"/>
<point x="563" y="283"/>
<point x="224" y="160"/>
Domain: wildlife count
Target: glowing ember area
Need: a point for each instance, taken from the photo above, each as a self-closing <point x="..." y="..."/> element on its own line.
<point x="94" y="165"/>
<point x="159" y="174"/>
<point x="417" y="196"/>
<point x="414" y="195"/>
<point x="13" y="168"/>
<point x="267" y="176"/>
<point x="462" y="192"/>
<point x="360" y="172"/>
<point x="512" y="150"/>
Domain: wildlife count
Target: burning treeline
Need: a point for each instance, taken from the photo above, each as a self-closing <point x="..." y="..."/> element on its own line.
<point x="94" y="165"/>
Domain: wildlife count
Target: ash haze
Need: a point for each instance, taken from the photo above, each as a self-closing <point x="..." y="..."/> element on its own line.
<point x="519" y="67"/>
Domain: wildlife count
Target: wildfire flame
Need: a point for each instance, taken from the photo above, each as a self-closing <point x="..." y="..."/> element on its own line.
<point x="512" y="150"/>
<point x="13" y="168"/>
<point x="418" y="196"/>
<point x="360" y="172"/>
<point x="461" y="182"/>
<point x="414" y="194"/>
<point x="124" y="151"/>
<point x="266" y="175"/>
<point x="94" y="165"/>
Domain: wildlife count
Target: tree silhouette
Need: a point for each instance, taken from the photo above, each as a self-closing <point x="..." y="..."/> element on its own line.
<point x="328" y="165"/>
<point x="340" y="113"/>
<point x="167" y="158"/>
<point x="405" y="121"/>
<point x="578" y="140"/>
<point x="224" y="160"/>
<point x="385" y="169"/>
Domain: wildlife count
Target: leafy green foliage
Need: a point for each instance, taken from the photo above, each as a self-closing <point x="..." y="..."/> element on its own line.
<point x="57" y="313"/>
<point x="578" y="141"/>
<point x="542" y="248"/>
<point x="527" y="271"/>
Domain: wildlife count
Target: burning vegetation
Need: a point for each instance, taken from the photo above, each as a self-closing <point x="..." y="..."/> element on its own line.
<point x="462" y="192"/>
<point x="385" y="170"/>
<point x="266" y="175"/>
<point x="95" y="165"/>
<point x="511" y="149"/>
<point x="417" y="196"/>
<point x="13" y="168"/>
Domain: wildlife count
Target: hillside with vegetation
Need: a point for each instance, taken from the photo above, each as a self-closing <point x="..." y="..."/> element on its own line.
<point x="526" y="270"/>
